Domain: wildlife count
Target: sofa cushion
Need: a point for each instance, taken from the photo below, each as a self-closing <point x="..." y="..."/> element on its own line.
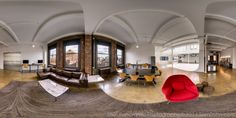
<point x="43" y="75"/>
<point x="46" y="70"/>
<point x="66" y="74"/>
<point x="76" y="75"/>
<point x="58" y="72"/>
<point x="73" y="80"/>
<point x="178" y="85"/>
<point x="62" y="78"/>
<point x="53" y="70"/>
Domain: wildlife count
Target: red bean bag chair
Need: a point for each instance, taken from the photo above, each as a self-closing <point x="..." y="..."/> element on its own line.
<point x="179" y="88"/>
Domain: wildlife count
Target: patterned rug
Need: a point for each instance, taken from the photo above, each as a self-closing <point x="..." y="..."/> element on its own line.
<point x="30" y="100"/>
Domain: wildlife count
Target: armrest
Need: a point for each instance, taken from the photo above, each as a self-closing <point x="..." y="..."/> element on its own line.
<point x="167" y="91"/>
<point x="192" y="88"/>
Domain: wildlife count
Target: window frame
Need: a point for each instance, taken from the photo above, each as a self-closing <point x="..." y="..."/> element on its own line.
<point x="49" y="54"/>
<point x="123" y="55"/>
<point x="68" y="43"/>
<point x="104" y="43"/>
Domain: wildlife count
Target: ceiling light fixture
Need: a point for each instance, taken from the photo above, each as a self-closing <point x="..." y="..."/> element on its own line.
<point x="137" y="46"/>
<point x="33" y="46"/>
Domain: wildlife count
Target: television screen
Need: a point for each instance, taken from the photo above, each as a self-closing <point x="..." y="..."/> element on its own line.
<point x="40" y="61"/>
<point x="25" y="61"/>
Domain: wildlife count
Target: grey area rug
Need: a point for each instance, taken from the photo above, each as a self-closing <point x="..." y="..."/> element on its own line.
<point x="29" y="100"/>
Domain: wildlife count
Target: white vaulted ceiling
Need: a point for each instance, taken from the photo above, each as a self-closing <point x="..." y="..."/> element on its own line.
<point x="129" y="21"/>
<point x="220" y="25"/>
<point x="25" y="20"/>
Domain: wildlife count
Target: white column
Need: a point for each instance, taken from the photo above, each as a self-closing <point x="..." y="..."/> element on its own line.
<point x="202" y="55"/>
<point x="188" y="58"/>
<point x="1" y="58"/>
<point x="234" y="57"/>
<point x="45" y="54"/>
<point x="171" y="58"/>
<point x="158" y="55"/>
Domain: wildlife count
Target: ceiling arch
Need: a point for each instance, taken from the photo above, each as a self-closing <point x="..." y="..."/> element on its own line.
<point x="50" y="19"/>
<point x="170" y="31"/>
<point x="65" y="35"/>
<point x="123" y="23"/>
<point x="136" y="10"/>
<point x="3" y="43"/>
<point x="142" y="25"/>
<point x="8" y="29"/>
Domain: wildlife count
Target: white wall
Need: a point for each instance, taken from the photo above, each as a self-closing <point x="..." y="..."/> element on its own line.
<point x="228" y="52"/>
<point x="27" y="52"/>
<point x="142" y="54"/>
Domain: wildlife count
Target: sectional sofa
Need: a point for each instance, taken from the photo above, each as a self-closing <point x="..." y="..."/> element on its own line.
<point x="66" y="77"/>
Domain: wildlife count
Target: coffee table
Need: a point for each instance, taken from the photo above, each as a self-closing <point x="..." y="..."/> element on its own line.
<point x="53" y="88"/>
<point x="95" y="79"/>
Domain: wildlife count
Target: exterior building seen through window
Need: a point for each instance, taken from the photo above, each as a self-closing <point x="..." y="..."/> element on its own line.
<point x="72" y="55"/>
<point x="103" y="56"/>
<point x="119" y="56"/>
<point x="52" y="56"/>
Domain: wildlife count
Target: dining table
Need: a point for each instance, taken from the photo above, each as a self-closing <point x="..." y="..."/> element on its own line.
<point x="141" y="73"/>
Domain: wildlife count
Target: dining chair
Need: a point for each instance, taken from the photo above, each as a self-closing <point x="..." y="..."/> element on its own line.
<point x="129" y="65"/>
<point x="25" y="67"/>
<point x="122" y="77"/>
<point x="41" y="67"/>
<point x="149" y="79"/>
<point x="118" y="70"/>
<point x="145" y="66"/>
<point x="134" y="78"/>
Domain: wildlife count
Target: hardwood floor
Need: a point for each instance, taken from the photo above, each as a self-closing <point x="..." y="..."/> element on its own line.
<point x="224" y="81"/>
<point x="7" y="76"/>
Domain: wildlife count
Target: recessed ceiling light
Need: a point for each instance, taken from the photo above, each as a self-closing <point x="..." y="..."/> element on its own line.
<point x="137" y="46"/>
<point x="33" y="46"/>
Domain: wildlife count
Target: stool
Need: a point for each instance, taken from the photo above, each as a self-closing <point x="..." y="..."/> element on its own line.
<point x="208" y="90"/>
<point x="205" y="84"/>
<point x="200" y="87"/>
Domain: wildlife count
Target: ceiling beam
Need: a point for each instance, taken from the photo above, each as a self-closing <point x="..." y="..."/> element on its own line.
<point x="182" y="40"/>
<point x="214" y="46"/>
<point x="222" y="18"/>
<point x="220" y="36"/>
<point x="217" y="43"/>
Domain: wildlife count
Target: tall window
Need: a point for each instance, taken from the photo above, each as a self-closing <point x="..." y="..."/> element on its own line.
<point x="72" y="54"/>
<point x="120" y="56"/>
<point x="103" y="55"/>
<point x="52" y="56"/>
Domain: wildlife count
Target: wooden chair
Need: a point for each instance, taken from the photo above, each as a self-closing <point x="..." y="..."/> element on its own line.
<point x="149" y="79"/>
<point x="122" y="77"/>
<point x="25" y="67"/>
<point x="145" y="66"/>
<point x="129" y="65"/>
<point x="134" y="78"/>
<point x="118" y="70"/>
<point x="40" y="67"/>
